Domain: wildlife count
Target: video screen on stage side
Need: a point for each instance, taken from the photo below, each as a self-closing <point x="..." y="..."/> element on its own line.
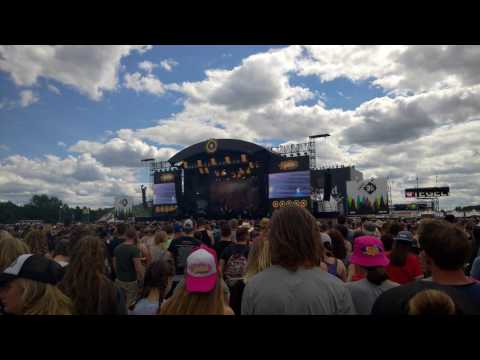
<point x="289" y="185"/>
<point x="164" y="194"/>
<point x="236" y="195"/>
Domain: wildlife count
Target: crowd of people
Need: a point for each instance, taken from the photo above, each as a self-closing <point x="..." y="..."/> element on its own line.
<point x="290" y="264"/>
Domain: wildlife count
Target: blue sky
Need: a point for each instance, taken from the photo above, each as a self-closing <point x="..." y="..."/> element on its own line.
<point x="73" y="102"/>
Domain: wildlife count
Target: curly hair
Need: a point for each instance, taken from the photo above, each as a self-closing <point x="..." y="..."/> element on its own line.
<point x="293" y="236"/>
<point x="85" y="281"/>
<point x="37" y="242"/>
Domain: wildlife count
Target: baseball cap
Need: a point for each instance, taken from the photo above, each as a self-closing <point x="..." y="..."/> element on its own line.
<point x="201" y="271"/>
<point x="178" y="228"/>
<point x="33" y="267"/>
<point x="368" y="251"/>
<point x="325" y="238"/>
<point x="404" y="236"/>
<point x="188" y="224"/>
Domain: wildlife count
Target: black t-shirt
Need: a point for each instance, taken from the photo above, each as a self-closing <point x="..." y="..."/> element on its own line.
<point x="220" y="246"/>
<point x="236" y="293"/>
<point x="241" y="249"/>
<point x="180" y="249"/>
<point x="395" y="301"/>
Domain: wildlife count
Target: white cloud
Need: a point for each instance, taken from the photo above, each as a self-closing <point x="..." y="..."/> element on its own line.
<point x="147" y="66"/>
<point x="27" y="98"/>
<point x="91" y="69"/>
<point x="168" y="64"/>
<point x="76" y="180"/>
<point x="119" y="152"/>
<point x="54" y="89"/>
<point x="148" y="83"/>
<point x="61" y="144"/>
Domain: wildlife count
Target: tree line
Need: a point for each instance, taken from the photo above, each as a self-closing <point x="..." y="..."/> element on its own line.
<point x="50" y="210"/>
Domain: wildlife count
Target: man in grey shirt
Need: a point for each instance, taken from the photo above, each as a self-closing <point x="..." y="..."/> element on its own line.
<point x="313" y="291"/>
<point x="295" y="283"/>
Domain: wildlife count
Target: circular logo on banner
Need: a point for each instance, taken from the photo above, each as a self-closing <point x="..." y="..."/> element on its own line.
<point x="289" y="202"/>
<point x="282" y="203"/>
<point x="275" y="204"/>
<point x="124" y="202"/>
<point x="297" y="203"/>
<point x="303" y="203"/>
<point x="211" y="146"/>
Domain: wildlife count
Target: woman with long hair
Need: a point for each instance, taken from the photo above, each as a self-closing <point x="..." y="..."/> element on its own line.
<point x="27" y="287"/>
<point x="157" y="283"/>
<point x="86" y="283"/>
<point x="159" y="246"/>
<point x="332" y="264"/>
<point x="202" y="290"/>
<point x="404" y="266"/>
<point x="37" y="242"/>
<point x="369" y="259"/>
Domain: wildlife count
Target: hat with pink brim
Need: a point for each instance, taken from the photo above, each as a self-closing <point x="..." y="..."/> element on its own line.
<point x="201" y="272"/>
<point x="368" y="251"/>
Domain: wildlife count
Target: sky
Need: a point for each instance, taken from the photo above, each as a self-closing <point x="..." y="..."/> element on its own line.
<point x="75" y="121"/>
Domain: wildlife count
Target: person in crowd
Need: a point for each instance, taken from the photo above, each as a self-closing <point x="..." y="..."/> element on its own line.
<point x="370" y="259"/>
<point x="61" y="253"/>
<point x="159" y="247"/>
<point x="234" y="225"/>
<point x="295" y="284"/>
<point x="28" y="287"/>
<point x="157" y="283"/>
<point x="233" y="259"/>
<point x="118" y="238"/>
<point x="258" y="260"/>
<point x="446" y="250"/>
<point x="37" y="242"/>
<point x="404" y="266"/>
<point x="169" y="229"/>
<point x="178" y="231"/>
<point x="202" y="291"/>
<point x="10" y="249"/>
<point x="334" y="266"/>
<point x="128" y="266"/>
<point x="148" y="236"/>
<point x="341" y="248"/>
<point x="473" y="233"/>
<point x="387" y="236"/>
<point x="344" y="229"/>
<point x="431" y="303"/>
<point x="202" y="233"/>
<point x="180" y="249"/>
<point x="86" y="282"/>
<point x="225" y="238"/>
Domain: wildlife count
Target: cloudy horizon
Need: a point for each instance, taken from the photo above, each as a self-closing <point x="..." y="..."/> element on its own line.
<point x="75" y="121"/>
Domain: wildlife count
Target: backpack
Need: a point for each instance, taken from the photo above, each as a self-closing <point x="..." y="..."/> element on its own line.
<point x="235" y="268"/>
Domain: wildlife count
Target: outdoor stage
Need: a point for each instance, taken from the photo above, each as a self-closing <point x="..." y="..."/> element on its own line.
<point x="225" y="178"/>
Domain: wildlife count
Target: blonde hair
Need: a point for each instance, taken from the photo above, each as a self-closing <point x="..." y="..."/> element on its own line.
<point x="43" y="299"/>
<point x="10" y="249"/>
<point x="37" y="242"/>
<point x="259" y="257"/>
<point x="184" y="303"/>
<point x="431" y="302"/>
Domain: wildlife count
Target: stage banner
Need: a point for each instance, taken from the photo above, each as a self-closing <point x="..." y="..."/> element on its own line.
<point x="430" y="192"/>
<point x="124" y="205"/>
<point x="367" y="197"/>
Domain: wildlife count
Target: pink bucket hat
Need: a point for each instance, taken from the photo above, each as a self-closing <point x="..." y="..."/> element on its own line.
<point x="368" y="251"/>
<point x="202" y="273"/>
